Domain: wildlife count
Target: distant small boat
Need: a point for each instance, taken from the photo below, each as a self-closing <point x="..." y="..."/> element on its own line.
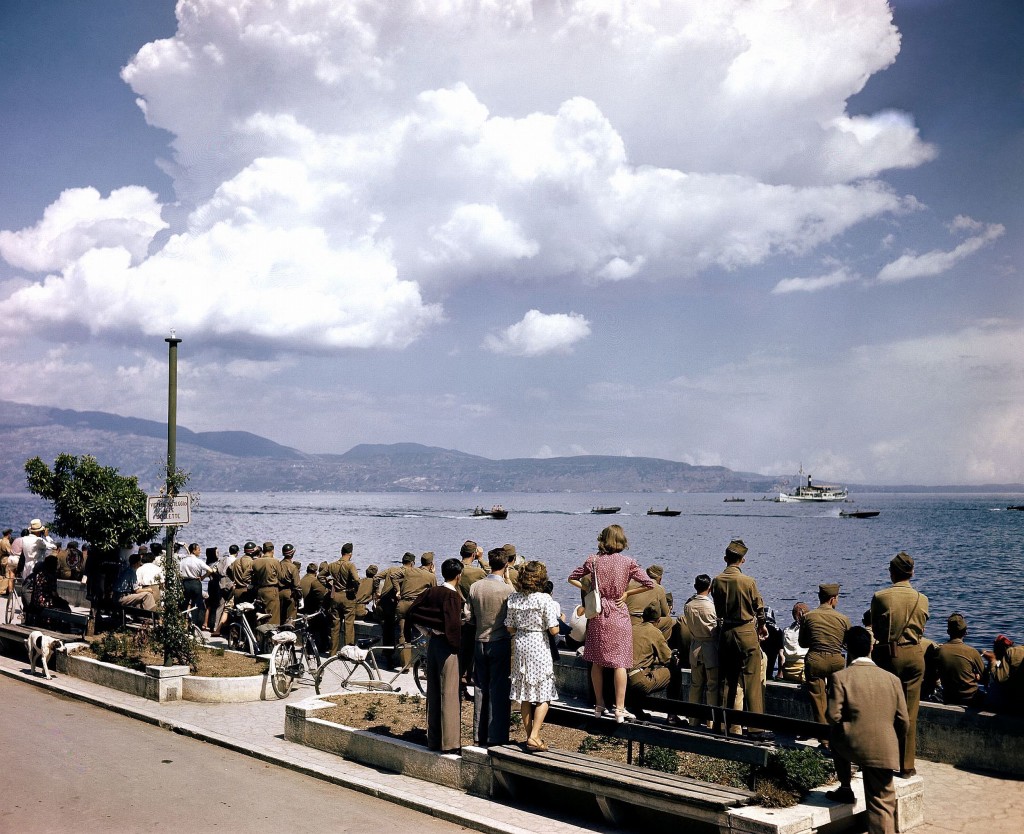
<point x="733" y="500"/>
<point x="1016" y="507"/>
<point x="665" y="512"/>
<point x="497" y="511"/>
<point x="858" y="513"/>
<point x="605" y="510"/>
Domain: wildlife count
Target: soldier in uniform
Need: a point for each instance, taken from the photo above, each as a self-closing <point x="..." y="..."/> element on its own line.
<point x="266" y="573"/>
<point x="471" y="552"/>
<point x="342" y="578"/>
<point x="1006" y="671"/>
<point x="240" y="572"/>
<point x="702" y="622"/>
<point x="314" y="595"/>
<point x="958" y="667"/>
<point x="638" y="602"/>
<point x="740" y="609"/>
<point x="389" y="587"/>
<point x="898" y="617"/>
<point x="654" y="668"/>
<point x="288" y="583"/>
<point x="823" y="634"/>
<point x="364" y="595"/>
<point x="414" y="582"/>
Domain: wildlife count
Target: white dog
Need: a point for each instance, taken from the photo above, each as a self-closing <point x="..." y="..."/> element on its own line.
<point x="41" y="650"/>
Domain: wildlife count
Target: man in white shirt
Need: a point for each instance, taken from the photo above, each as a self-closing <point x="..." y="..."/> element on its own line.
<point x="791" y="656"/>
<point x="150" y="575"/>
<point x="36" y="546"/>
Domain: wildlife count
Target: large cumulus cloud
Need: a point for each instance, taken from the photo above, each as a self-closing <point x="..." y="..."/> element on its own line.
<point x="339" y="167"/>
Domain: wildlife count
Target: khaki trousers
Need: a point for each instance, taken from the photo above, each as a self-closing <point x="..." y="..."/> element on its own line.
<point x="908" y="666"/>
<point x="818" y="670"/>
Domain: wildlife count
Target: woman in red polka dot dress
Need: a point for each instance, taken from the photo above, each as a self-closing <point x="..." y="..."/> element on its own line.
<point x="609" y="641"/>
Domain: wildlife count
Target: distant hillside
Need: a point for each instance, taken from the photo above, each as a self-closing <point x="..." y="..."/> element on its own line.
<point x="225" y="461"/>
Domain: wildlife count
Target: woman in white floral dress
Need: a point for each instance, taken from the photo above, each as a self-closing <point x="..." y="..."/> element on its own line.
<point x="532" y="615"/>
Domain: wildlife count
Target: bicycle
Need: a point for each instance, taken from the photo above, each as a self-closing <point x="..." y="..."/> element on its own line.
<point x="353" y="670"/>
<point x="14" y="610"/>
<point x="240" y="634"/>
<point x="195" y="631"/>
<point x="294" y="654"/>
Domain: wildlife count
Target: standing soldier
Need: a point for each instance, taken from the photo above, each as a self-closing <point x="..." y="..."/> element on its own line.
<point x="389" y="588"/>
<point x="288" y="591"/>
<point x="240" y="572"/>
<point x="266" y="575"/>
<point x="740" y="608"/>
<point x="342" y="578"/>
<point x="471" y="552"/>
<point x="314" y="597"/>
<point x="823" y="634"/>
<point x="414" y="582"/>
<point x="898" y="617"/>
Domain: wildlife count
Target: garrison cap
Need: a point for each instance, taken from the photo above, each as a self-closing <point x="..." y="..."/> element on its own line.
<point x="829" y="589"/>
<point x="427" y="558"/>
<point x="468" y="549"/>
<point x="408" y="558"/>
<point x="738" y="547"/>
<point x="510" y="552"/>
<point x="268" y="547"/>
<point x="902" y="563"/>
<point x="956" y="624"/>
<point x="656" y="572"/>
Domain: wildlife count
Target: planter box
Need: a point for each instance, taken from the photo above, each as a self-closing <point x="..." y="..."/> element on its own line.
<point x="165" y="683"/>
<point x="472" y="772"/>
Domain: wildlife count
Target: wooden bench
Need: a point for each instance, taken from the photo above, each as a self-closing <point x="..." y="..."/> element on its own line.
<point x="685" y="739"/>
<point x="615" y="785"/>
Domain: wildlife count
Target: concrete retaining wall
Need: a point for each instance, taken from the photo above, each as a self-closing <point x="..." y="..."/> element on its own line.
<point x="954" y="735"/>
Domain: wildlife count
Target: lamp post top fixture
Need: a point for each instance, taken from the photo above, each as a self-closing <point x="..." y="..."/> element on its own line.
<point x="172" y="339"/>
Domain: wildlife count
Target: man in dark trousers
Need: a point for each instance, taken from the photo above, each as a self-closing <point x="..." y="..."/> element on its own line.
<point x="869" y="719"/>
<point x="492" y="664"/>
<point x="438" y="611"/>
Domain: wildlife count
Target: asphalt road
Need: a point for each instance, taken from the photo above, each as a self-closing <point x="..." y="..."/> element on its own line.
<point x="72" y="767"/>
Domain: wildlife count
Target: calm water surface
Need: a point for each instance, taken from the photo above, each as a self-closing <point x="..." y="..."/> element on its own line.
<point x="969" y="549"/>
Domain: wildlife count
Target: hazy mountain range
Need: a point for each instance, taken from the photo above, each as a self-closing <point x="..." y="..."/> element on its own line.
<point x="236" y="460"/>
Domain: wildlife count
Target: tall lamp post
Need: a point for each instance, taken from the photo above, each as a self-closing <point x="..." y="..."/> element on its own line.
<point x="172" y="425"/>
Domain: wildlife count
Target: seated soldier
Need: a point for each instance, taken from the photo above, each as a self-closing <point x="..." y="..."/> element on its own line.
<point x="654" y="665"/>
<point x="959" y="667"/>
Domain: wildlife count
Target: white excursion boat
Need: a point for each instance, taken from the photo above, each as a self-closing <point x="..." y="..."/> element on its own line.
<point x="814" y="492"/>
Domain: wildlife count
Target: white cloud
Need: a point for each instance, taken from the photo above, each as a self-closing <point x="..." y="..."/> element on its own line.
<point x="821" y="282"/>
<point x="539" y="334"/>
<point x="338" y="167"/>
<point x="81" y="220"/>
<point x="938" y="261"/>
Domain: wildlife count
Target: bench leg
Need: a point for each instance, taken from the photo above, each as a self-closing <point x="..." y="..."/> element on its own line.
<point x="506" y="782"/>
<point x="609" y="810"/>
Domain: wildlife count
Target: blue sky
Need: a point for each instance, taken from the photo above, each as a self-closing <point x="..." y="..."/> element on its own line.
<point x="744" y="233"/>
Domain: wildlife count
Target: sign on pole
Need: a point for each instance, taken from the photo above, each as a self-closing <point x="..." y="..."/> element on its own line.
<point x="168" y="511"/>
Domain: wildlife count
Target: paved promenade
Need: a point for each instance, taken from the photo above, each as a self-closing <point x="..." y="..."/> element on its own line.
<point x="955" y="800"/>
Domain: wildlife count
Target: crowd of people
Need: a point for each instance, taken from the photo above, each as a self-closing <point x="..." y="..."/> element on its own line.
<point x="494" y="626"/>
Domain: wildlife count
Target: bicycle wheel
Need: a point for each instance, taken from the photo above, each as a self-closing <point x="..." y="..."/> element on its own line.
<point x="339" y="673"/>
<point x="197" y="634"/>
<point x="419" y="675"/>
<point x="284" y="664"/>
<point x="238" y="640"/>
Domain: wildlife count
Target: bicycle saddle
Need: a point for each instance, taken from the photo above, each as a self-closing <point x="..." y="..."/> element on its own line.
<point x="366" y="642"/>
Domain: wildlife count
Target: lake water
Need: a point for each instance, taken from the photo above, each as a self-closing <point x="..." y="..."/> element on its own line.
<point x="969" y="549"/>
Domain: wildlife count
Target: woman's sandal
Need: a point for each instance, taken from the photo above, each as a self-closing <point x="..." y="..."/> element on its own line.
<point x="536" y="747"/>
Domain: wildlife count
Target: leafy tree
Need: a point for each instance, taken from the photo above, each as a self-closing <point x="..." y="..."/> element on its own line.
<point x="91" y="502"/>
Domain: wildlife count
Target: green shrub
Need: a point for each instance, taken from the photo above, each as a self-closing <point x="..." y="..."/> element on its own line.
<point x="373" y="710"/>
<point x="660" y="758"/>
<point x="122" y="648"/>
<point x="800" y="770"/>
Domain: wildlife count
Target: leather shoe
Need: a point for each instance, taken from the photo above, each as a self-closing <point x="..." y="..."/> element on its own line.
<point x="906" y="774"/>
<point x="841" y="794"/>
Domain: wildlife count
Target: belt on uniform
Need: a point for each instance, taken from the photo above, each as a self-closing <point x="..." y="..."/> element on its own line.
<point x="735" y="623"/>
<point x="825" y="651"/>
<point x="906" y="643"/>
<point x="636" y="672"/>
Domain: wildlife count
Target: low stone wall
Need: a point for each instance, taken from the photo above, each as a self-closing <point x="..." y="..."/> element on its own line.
<point x="953" y="735"/>
<point x="157" y="683"/>
<point x="165" y="683"/>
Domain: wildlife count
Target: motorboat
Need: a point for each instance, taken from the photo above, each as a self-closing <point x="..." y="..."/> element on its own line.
<point x="605" y="510"/>
<point x="733" y="500"/>
<point x="858" y="513"/>
<point x="664" y="512"/>
<point x="497" y="511"/>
